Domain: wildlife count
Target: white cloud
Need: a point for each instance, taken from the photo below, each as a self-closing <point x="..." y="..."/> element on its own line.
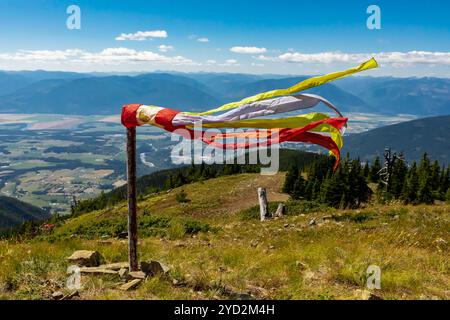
<point x="164" y="48"/>
<point x="253" y="64"/>
<point x="248" y="50"/>
<point x="265" y="58"/>
<point x="230" y="62"/>
<point x="41" y="55"/>
<point x="142" y="35"/>
<point x="106" y="56"/>
<point x="203" y="39"/>
<point x="394" y="58"/>
<point x="211" y="61"/>
<point x="121" y="55"/>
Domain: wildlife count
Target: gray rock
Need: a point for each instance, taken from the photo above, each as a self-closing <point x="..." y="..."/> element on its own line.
<point x="154" y="268"/>
<point x="122" y="235"/>
<point x="115" y="266"/>
<point x="301" y="265"/>
<point x="137" y="275"/>
<point x="85" y="258"/>
<point x="57" y="295"/>
<point x="133" y="284"/>
<point x="71" y="295"/>
<point x="280" y="210"/>
<point x="97" y="270"/>
<point x="123" y="273"/>
<point x="366" y="295"/>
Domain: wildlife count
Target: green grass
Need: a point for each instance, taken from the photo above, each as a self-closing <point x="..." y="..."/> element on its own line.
<point x="216" y="247"/>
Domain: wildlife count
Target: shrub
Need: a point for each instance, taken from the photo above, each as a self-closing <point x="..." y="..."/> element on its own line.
<point x="181" y="197"/>
<point x="292" y="207"/>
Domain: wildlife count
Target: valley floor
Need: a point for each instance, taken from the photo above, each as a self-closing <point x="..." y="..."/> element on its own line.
<point x="311" y="253"/>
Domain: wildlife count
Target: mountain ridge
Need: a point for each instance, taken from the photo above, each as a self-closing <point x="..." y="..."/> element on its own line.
<point x="85" y="93"/>
<point x="14" y="212"/>
<point x="413" y="138"/>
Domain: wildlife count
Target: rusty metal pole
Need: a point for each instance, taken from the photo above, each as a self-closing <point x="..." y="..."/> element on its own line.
<point x="132" y="208"/>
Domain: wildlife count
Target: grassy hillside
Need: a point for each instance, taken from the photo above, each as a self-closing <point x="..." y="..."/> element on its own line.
<point x="14" y="212"/>
<point x="216" y="248"/>
<point x="413" y="138"/>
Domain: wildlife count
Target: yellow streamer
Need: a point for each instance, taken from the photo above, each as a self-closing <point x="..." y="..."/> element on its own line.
<point x="288" y="122"/>
<point x="303" y="85"/>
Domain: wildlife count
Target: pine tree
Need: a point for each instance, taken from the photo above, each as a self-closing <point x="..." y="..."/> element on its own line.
<point x="334" y="189"/>
<point x="411" y="187"/>
<point x="291" y="178"/>
<point x="425" y="184"/>
<point x="444" y="183"/>
<point x="353" y="184"/>
<point x="376" y="167"/>
<point x="397" y="179"/>
<point x="435" y="172"/>
<point x="299" y="188"/>
<point x="309" y="188"/>
<point x="315" y="191"/>
<point x="366" y="170"/>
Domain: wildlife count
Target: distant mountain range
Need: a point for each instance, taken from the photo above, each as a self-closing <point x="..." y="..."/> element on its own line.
<point x="14" y="212"/>
<point x="79" y="93"/>
<point x="413" y="138"/>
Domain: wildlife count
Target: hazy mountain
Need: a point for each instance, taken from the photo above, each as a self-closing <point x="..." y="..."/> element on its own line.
<point x="106" y="95"/>
<point x="419" y="96"/>
<point x="224" y="83"/>
<point x="78" y="93"/>
<point x="413" y="138"/>
<point x="342" y="99"/>
<point x="11" y="81"/>
<point x="14" y="212"/>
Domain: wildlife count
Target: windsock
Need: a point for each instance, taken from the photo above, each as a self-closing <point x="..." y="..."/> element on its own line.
<point x="251" y="113"/>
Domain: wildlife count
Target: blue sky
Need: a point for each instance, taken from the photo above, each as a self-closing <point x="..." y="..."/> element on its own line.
<point x="286" y="37"/>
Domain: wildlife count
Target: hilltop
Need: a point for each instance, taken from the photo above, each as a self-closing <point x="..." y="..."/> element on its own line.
<point x="217" y="248"/>
<point x="14" y="212"/>
<point x="413" y="138"/>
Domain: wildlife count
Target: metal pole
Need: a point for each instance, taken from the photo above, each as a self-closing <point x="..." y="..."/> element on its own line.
<point x="132" y="209"/>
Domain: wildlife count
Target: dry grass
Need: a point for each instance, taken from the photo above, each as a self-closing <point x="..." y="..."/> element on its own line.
<point x="285" y="258"/>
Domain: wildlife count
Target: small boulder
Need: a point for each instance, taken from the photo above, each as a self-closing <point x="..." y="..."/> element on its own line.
<point x="122" y="235"/>
<point x="97" y="271"/>
<point x="133" y="284"/>
<point x="137" y="275"/>
<point x="366" y="295"/>
<point x="85" y="258"/>
<point x="70" y="296"/>
<point x="116" y="266"/>
<point x="280" y="210"/>
<point x="154" y="268"/>
<point x="301" y="265"/>
<point x="57" y="295"/>
<point x="123" y="273"/>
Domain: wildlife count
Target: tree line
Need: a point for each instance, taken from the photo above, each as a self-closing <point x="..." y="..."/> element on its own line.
<point x="176" y="177"/>
<point x="348" y="186"/>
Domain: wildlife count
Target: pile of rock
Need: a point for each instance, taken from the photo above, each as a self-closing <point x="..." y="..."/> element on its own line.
<point x="89" y="263"/>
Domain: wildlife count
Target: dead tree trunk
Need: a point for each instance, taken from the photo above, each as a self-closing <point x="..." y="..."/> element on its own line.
<point x="263" y="206"/>
<point x="132" y="206"/>
<point x="280" y="210"/>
